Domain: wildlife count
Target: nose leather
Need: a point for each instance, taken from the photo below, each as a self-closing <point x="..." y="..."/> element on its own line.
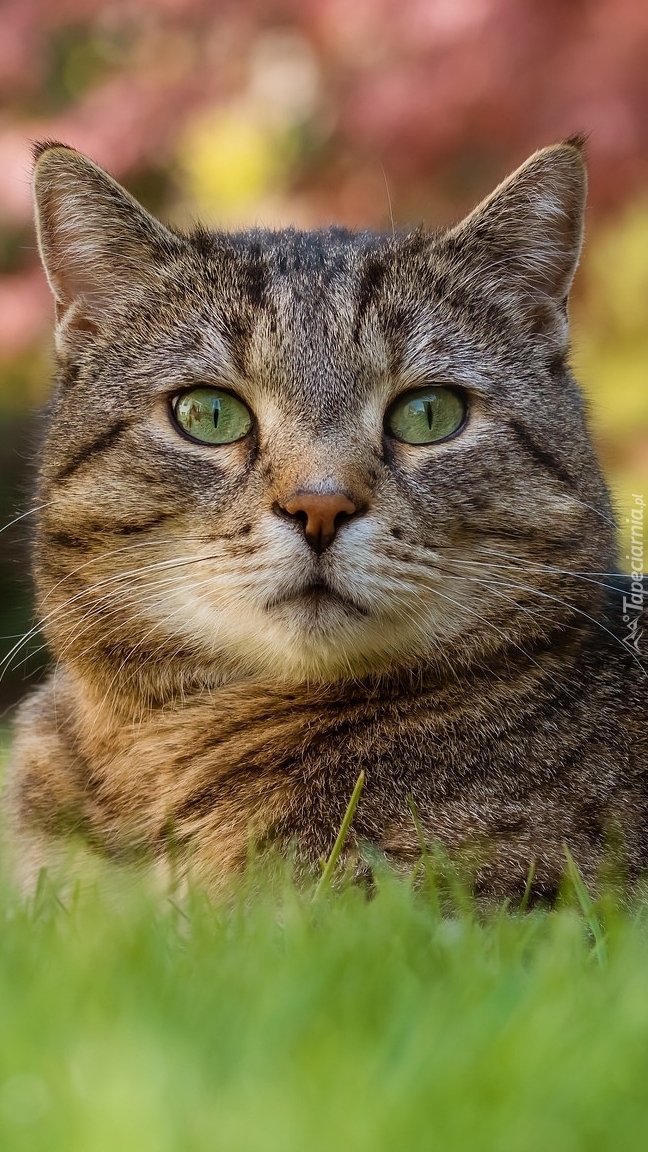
<point x="320" y="514"/>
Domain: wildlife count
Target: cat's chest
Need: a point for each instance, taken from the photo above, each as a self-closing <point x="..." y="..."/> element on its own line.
<point x="207" y="779"/>
<point x="284" y="772"/>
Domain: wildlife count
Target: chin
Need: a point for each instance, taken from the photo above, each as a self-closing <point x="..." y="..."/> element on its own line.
<point x="311" y="636"/>
<point x="324" y="639"/>
<point x="318" y="612"/>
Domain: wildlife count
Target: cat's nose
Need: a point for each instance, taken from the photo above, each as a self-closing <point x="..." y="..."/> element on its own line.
<point x="320" y="514"/>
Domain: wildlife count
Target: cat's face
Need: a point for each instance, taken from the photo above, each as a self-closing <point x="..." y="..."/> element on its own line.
<point x="307" y="456"/>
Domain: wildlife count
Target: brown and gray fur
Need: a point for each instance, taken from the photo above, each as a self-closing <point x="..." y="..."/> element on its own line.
<point x="215" y="678"/>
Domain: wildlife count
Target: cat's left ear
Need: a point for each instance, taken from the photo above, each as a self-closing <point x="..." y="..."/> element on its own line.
<point x="99" y="247"/>
<point x="522" y="244"/>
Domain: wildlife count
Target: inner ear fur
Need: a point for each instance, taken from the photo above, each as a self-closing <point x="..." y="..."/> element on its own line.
<point x="523" y="242"/>
<point x="98" y="245"/>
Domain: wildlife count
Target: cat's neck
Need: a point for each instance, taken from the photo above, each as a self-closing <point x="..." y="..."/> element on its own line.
<point x="460" y="681"/>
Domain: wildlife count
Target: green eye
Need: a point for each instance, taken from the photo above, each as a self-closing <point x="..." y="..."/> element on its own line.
<point x="426" y="415"/>
<point x="212" y="416"/>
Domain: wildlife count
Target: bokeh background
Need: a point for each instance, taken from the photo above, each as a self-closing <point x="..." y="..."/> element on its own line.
<point x="312" y="111"/>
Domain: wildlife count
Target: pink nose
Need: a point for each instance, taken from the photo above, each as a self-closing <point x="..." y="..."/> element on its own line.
<point x="320" y="515"/>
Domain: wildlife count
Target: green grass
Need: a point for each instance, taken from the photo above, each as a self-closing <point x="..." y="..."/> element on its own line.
<point x="309" y="1020"/>
<point x="276" y="1022"/>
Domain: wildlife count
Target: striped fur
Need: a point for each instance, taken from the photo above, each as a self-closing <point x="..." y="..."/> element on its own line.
<point x="464" y="644"/>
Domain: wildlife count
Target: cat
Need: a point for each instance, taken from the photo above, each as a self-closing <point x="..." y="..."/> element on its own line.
<point x="312" y="503"/>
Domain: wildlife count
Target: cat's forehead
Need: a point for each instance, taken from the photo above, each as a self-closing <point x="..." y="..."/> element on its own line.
<point x="292" y="253"/>
<point x="322" y="278"/>
<point x="325" y="311"/>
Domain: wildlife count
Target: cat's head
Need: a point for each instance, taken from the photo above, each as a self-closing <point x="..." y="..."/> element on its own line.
<point x="311" y="455"/>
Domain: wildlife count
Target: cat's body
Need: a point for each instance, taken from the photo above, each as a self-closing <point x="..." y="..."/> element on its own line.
<point x="240" y="627"/>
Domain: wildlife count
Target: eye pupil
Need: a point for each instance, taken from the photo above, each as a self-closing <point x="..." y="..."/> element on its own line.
<point x="216" y="413"/>
<point x="427" y="404"/>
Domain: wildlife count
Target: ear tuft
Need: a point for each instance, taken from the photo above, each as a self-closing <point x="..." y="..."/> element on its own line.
<point x="578" y="141"/>
<point x="523" y="242"/>
<point x="99" y="247"/>
<point x="40" y="146"/>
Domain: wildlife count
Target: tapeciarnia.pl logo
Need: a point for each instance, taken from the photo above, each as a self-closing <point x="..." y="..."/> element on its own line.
<point x="633" y="604"/>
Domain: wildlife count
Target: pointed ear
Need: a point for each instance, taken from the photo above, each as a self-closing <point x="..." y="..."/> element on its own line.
<point x="99" y="247"/>
<point x="522" y="243"/>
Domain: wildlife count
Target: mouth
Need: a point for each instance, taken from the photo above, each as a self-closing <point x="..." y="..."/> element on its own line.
<point x="318" y="595"/>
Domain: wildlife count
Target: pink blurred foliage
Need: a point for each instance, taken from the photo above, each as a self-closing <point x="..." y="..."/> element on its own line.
<point x="25" y="310"/>
<point x="126" y="121"/>
<point x="446" y="95"/>
<point x="416" y="81"/>
<point x="501" y="75"/>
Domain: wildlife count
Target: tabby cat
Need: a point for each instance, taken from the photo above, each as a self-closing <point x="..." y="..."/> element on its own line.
<point x="317" y="502"/>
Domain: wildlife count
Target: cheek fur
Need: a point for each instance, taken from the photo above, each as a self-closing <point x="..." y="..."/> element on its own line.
<point x="214" y="579"/>
<point x="238" y="604"/>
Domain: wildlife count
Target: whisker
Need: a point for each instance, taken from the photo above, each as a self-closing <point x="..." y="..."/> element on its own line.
<point x="157" y="543"/>
<point x="24" y="515"/>
<point x="527" y="566"/>
<point x="174" y="562"/>
<point x="148" y="592"/>
<point x="578" y="611"/>
<point x="597" y="511"/>
<point x="489" y="623"/>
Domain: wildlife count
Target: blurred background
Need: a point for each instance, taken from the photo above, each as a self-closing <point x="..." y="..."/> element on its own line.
<point x="313" y="111"/>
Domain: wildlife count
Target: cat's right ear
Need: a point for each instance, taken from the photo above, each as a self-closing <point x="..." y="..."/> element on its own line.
<point x="98" y="245"/>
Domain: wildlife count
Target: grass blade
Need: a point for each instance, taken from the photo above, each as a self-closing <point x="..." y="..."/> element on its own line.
<point x="430" y="873"/>
<point x="587" y="907"/>
<point x="329" y="867"/>
<point x="527" y="888"/>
